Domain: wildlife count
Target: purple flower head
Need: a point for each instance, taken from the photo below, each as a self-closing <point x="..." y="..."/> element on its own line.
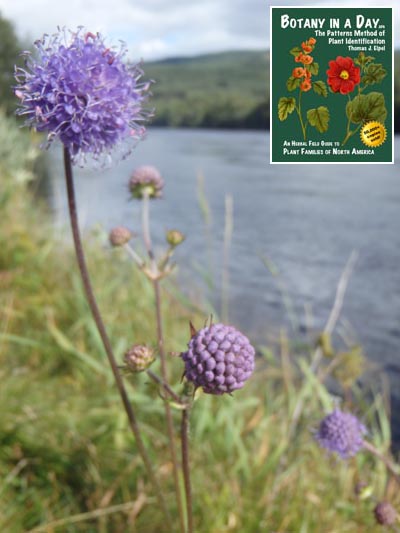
<point x="385" y="514"/>
<point x="83" y="93"/>
<point x="219" y="359"/>
<point x="146" y="180"/>
<point x="341" y="433"/>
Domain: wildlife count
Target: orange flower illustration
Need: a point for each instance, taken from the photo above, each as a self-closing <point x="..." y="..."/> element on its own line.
<point x="305" y="85"/>
<point x="299" y="72"/>
<point x="312" y="41"/>
<point x="306" y="59"/>
<point x="307" y="48"/>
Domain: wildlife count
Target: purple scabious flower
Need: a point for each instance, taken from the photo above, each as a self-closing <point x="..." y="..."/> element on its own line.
<point x="219" y="359"/>
<point x="341" y="433"/>
<point x="83" y="93"/>
<point x="146" y="180"/>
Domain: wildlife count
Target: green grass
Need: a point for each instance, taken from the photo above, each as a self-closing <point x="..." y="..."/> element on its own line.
<point x="66" y="454"/>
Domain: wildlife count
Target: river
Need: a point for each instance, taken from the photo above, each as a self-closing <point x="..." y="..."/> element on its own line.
<point x="305" y="220"/>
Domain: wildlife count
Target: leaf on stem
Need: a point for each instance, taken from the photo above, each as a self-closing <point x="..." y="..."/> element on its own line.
<point x="313" y="68"/>
<point x="292" y="83"/>
<point x="319" y="118"/>
<point x="366" y="107"/>
<point x="285" y="107"/>
<point x="320" y="88"/>
<point x="374" y="73"/>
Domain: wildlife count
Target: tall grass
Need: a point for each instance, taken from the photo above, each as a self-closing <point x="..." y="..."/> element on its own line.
<point x="67" y="460"/>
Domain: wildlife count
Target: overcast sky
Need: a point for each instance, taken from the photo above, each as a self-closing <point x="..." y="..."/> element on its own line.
<point x="162" y="28"/>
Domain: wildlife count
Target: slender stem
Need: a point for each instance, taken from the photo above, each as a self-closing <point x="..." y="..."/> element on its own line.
<point x="164" y="385"/>
<point x="186" y="467"/>
<point x="80" y="255"/>
<point x="389" y="465"/>
<point x="301" y="117"/>
<point x="138" y="260"/>
<point x="160" y="341"/>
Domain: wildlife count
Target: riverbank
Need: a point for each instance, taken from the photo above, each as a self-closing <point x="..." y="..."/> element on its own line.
<point x="68" y="462"/>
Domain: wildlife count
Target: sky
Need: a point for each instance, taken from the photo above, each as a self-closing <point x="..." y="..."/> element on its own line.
<point x="155" y="29"/>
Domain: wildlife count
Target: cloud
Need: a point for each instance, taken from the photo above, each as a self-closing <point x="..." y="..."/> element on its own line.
<point x="161" y="28"/>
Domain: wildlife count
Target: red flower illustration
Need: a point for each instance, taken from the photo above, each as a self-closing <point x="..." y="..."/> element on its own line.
<point x="343" y="75"/>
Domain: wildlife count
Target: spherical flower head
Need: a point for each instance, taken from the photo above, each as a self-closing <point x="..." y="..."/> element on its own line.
<point x="146" y="180"/>
<point x="343" y="75"/>
<point x="385" y="514"/>
<point x="219" y="359"/>
<point x="341" y="433"/>
<point x="120" y="236"/>
<point x="84" y="94"/>
<point x="139" y="357"/>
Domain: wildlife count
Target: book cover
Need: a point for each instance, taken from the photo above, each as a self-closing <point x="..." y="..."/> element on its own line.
<point x="331" y="85"/>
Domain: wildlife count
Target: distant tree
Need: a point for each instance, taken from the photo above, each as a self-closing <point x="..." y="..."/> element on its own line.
<point x="9" y="51"/>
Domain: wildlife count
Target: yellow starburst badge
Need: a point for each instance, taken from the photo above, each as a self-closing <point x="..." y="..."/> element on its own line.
<point x="373" y="134"/>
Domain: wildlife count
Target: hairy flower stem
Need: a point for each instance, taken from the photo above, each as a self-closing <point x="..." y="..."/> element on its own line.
<point x="186" y="467"/>
<point x="161" y="350"/>
<point x="133" y="423"/>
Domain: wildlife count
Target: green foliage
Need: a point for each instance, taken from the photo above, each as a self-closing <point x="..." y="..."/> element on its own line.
<point x="285" y="107"/>
<point x="293" y="83"/>
<point x="219" y="90"/>
<point x="374" y="73"/>
<point x="320" y="88"/>
<point x="313" y="68"/>
<point x="68" y="462"/>
<point x="366" y="107"/>
<point x="296" y="51"/>
<point x="9" y="52"/>
<point x="319" y="118"/>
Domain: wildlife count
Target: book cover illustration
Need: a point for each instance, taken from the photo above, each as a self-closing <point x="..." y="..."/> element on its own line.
<point x="331" y="85"/>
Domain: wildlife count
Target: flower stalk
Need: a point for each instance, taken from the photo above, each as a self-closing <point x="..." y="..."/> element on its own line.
<point x="155" y="279"/>
<point x="133" y="423"/>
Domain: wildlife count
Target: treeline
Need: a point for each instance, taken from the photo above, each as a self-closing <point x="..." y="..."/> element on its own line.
<point x="226" y="90"/>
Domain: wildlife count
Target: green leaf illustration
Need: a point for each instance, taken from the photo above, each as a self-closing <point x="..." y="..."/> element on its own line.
<point x="285" y="107"/>
<point x="313" y="68"/>
<point x="366" y="107"/>
<point x="362" y="59"/>
<point x="293" y="83"/>
<point x="320" y="88"/>
<point x="374" y="73"/>
<point x="319" y="118"/>
<point x="296" y="51"/>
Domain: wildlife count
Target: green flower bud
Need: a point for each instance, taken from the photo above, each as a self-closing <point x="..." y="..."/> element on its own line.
<point x="175" y="237"/>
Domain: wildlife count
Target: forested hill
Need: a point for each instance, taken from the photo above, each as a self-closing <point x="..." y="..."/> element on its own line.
<point x="227" y="90"/>
<point x="224" y="90"/>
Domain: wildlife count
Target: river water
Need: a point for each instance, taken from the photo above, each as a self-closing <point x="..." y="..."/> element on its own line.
<point x="304" y="220"/>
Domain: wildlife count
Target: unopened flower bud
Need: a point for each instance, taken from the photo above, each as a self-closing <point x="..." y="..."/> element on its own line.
<point x="175" y="237"/>
<point x="144" y="181"/>
<point x="139" y="357"/>
<point x="385" y="514"/>
<point x="120" y="236"/>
